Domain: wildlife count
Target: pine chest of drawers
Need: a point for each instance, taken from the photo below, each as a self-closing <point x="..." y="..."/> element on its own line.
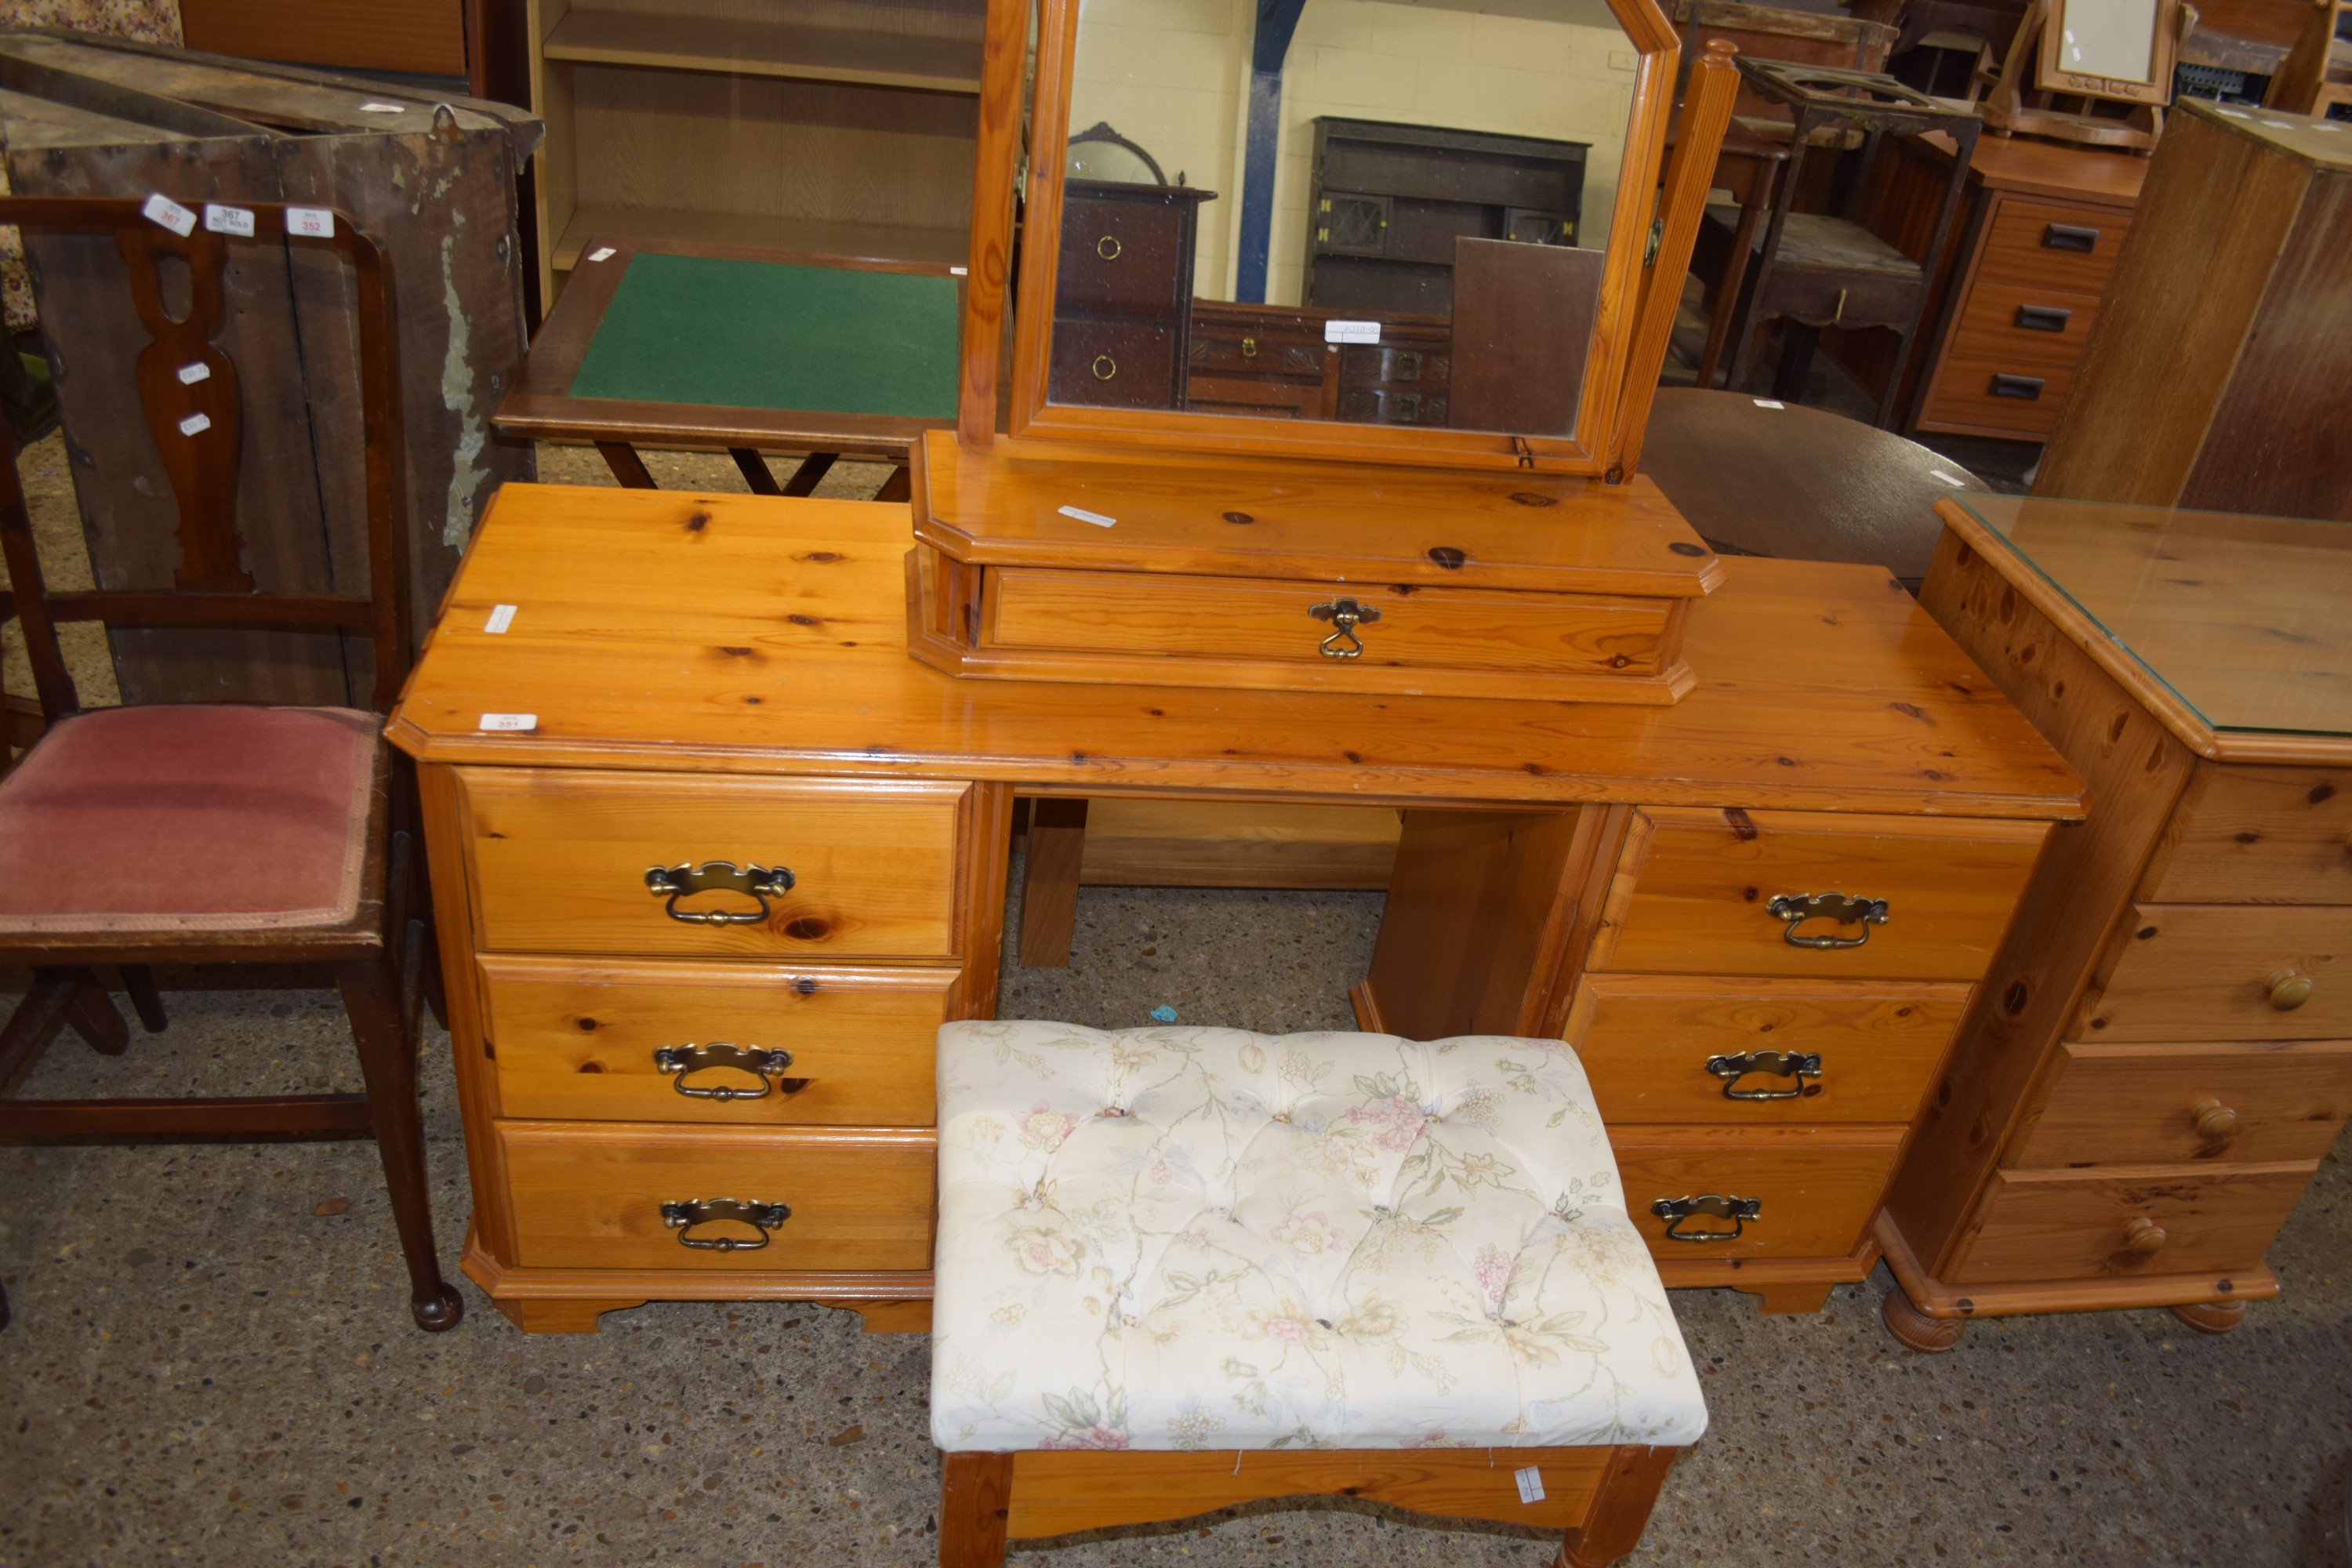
<point x="2163" y="1050"/>
<point x="713" y="857"/>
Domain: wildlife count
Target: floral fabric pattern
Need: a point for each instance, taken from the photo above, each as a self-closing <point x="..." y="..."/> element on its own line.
<point x="1207" y="1238"/>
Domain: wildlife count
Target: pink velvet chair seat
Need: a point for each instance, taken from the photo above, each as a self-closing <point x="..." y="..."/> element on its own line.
<point x="170" y="818"/>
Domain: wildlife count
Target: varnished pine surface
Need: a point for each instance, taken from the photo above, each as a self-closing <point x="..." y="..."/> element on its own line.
<point x="739" y="633"/>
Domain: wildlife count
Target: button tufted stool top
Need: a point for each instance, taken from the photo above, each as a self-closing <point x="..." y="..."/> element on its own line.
<point x="1207" y="1238"/>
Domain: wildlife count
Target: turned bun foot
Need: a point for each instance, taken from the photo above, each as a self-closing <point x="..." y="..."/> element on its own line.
<point x="438" y="1312"/>
<point x="2211" y="1316"/>
<point x="1915" y="1329"/>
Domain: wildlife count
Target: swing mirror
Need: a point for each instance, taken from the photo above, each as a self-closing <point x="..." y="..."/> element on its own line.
<point x="2121" y="50"/>
<point x="1410" y="230"/>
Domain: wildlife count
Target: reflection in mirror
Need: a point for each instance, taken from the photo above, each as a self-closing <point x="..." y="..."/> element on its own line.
<point x="1368" y="211"/>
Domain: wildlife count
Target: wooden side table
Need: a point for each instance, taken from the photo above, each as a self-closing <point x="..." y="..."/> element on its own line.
<point x="2162" y="1050"/>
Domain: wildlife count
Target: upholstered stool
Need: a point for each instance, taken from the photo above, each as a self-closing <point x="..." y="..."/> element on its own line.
<point x="1183" y="1268"/>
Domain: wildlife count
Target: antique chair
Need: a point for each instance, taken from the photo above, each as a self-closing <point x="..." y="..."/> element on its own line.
<point x="219" y="834"/>
<point x="1820" y="271"/>
<point x="1184" y="1269"/>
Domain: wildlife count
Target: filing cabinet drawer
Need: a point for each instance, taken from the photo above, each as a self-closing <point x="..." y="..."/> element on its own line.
<point x="590" y="1196"/>
<point x="2257" y="835"/>
<point x="2222" y="972"/>
<point x="2014" y="394"/>
<point x="558" y="862"/>
<point x="2128" y="1221"/>
<point x="2150" y="1105"/>
<point x="1713" y="892"/>
<point x="1815" y="1190"/>
<point x="1227" y="617"/>
<point x="2044" y="245"/>
<point x="1669" y="1049"/>
<point x="2024" y="326"/>
<point x="620" y="1040"/>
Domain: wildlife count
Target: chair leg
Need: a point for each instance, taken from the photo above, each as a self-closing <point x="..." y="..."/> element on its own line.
<point x="145" y="1000"/>
<point x="975" y="1496"/>
<point x="34" y="1023"/>
<point x="1620" y="1509"/>
<point x="90" y="1013"/>
<point x="371" y="995"/>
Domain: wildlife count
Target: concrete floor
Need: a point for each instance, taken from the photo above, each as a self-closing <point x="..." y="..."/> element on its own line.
<point x="211" y="1360"/>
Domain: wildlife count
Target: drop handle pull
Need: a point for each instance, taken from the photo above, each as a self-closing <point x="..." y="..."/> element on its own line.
<point x="2213" y="1119"/>
<point x="1792" y="1066"/>
<point x="768" y="1065"/>
<point x="2144" y="1236"/>
<point x="765" y="1218"/>
<point x="1736" y="1212"/>
<point x="1844" y="909"/>
<point x="758" y="883"/>
<point x="2288" y="988"/>
<point x="1344" y="615"/>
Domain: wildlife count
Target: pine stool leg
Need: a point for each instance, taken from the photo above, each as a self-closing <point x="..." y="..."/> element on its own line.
<point x="1620" y="1508"/>
<point x="976" y="1495"/>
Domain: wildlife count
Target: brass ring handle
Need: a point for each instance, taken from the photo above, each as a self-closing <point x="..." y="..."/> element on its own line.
<point x="1714" y="1205"/>
<point x="681" y="1060"/>
<point x="2288" y="988"/>
<point x="1249" y="348"/>
<point x="2213" y="1119"/>
<point x="758" y="883"/>
<point x="1845" y="909"/>
<point x="1101" y="373"/>
<point x="682" y="1217"/>
<point x="1792" y="1065"/>
<point x="2144" y="1236"/>
<point x="1345" y="615"/>
<point x="1113" y="253"/>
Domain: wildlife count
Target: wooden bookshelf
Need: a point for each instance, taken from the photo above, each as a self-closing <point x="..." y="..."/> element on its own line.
<point x="843" y="127"/>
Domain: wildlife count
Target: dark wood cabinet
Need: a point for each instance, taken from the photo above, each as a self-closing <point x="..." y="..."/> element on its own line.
<point x="1389" y="201"/>
<point x="1271" y="362"/>
<point x="1123" y="294"/>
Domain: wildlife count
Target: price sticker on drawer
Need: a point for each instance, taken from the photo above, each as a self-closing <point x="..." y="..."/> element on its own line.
<point x="1351" y="331"/>
<point x="510" y="722"/>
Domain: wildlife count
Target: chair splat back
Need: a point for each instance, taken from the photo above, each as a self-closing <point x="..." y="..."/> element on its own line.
<point x="189" y="390"/>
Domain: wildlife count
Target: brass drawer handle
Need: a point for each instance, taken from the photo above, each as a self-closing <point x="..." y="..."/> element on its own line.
<point x="762" y="1217"/>
<point x="1713" y="1206"/>
<point x="2288" y="988"/>
<point x="756" y="882"/>
<point x="1113" y="253"/>
<point x="2213" y="1119"/>
<point x="1845" y="909"/>
<point x="1104" y="367"/>
<point x="1790" y="1065"/>
<point x="1249" y="348"/>
<point x="767" y="1066"/>
<point x="1345" y="615"/>
<point x="2144" y="1236"/>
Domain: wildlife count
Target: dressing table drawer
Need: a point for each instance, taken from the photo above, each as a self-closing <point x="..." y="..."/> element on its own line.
<point x="1812" y="895"/>
<point x="579" y="1038"/>
<point x="590" y="1196"/>
<point x="1671" y="1049"/>
<point x="2150" y="1105"/>
<point x="558" y="861"/>
<point x="2129" y="1220"/>
<point x="2257" y="835"/>
<point x="2223" y="972"/>
<point x="1815" y="1189"/>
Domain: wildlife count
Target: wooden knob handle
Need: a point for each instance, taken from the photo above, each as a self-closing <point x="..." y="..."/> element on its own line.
<point x="2214" y="1120"/>
<point x="2144" y="1236"/>
<point x="2289" y="988"/>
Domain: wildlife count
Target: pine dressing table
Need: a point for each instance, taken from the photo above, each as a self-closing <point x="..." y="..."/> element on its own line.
<point x="718" y="789"/>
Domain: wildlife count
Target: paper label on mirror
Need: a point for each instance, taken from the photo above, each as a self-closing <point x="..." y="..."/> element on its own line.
<point x="1351" y="331"/>
<point x="1082" y="515"/>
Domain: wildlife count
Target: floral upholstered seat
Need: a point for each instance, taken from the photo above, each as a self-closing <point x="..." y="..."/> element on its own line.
<point x="1205" y="1238"/>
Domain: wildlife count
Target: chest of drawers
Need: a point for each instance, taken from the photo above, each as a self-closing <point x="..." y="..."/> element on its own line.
<point x="1123" y="299"/>
<point x="702" y="908"/>
<point x="2163" y="1051"/>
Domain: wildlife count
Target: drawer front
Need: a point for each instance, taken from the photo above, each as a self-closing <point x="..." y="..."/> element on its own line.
<point x="2258" y="836"/>
<point x="1225" y="617"/>
<point x="592" y="1196"/>
<point x="559" y="860"/>
<point x="1708" y="892"/>
<point x="1267" y="397"/>
<point x="1815" y="1190"/>
<point x="1667" y="1048"/>
<point x="1232" y="352"/>
<point x="2222" y="972"/>
<point x="2030" y="328"/>
<point x="1113" y="364"/>
<point x="2016" y="394"/>
<point x="2050" y="246"/>
<point x="578" y="1039"/>
<point x="2160" y="1105"/>
<point x="1121" y="258"/>
<point x="2072" y="1225"/>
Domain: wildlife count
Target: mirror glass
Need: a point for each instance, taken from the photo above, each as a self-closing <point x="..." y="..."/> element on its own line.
<point x="2106" y="38"/>
<point x="1385" y="212"/>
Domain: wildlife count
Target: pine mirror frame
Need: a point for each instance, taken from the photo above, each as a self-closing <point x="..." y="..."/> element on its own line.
<point x="1608" y="369"/>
